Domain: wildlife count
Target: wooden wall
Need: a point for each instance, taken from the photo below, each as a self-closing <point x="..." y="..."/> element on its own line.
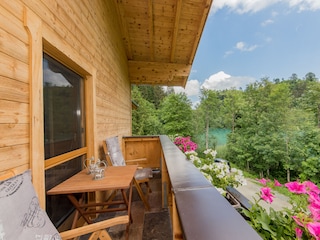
<point x="83" y="34"/>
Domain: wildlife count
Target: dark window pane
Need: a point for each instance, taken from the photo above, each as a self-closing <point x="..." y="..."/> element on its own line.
<point x="64" y="129"/>
<point x="63" y="109"/>
<point x="58" y="206"/>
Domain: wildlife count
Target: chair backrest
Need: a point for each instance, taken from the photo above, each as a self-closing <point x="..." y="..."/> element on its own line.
<point x="113" y="151"/>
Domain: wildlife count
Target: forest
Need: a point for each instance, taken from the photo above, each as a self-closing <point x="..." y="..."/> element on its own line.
<point x="273" y="125"/>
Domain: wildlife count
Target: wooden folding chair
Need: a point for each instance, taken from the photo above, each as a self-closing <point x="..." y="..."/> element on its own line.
<point x="114" y="157"/>
<point x="19" y="203"/>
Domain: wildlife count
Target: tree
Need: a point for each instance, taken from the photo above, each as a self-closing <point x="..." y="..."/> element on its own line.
<point x="233" y="107"/>
<point x="175" y="113"/>
<point x="153" y="94"/>
<point x="311" y="77"/>
<point x="310" y="101"/>
<point x="144" y="119"/>
<point x="257" y="142"/>
<point x="209" y="111"/>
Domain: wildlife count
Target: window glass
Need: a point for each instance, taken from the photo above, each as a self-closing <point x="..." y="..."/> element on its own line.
<point x="63" y="108"/>
<point x="64" y="130"/>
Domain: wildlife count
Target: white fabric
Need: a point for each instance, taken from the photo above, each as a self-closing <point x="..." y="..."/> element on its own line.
<point x="21" y="217"/>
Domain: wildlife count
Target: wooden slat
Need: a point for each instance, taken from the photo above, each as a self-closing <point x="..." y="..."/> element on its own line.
<point x="49" y="163"/>
<point x="14" y="156"/>
<point x="10" y="23"/>
<point x="95" y="227"/>
<point x="33" y="25"/>
<point x="13" y="134"/>
<point x="13" y="90"/>
<point x="150" y="29"/>
<point x="13" y="112"/>
<point x="175" y="30"/>
<point x="162" y="72"/>
<point x="13" y="68"/>
<point x="13" y="46"/>
<point x="200" y="29"/>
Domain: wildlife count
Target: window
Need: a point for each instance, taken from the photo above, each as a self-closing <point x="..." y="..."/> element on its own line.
<point x="64" y="130"/>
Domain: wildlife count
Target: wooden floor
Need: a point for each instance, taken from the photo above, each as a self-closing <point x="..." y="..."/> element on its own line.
<point x="157" y="225"/>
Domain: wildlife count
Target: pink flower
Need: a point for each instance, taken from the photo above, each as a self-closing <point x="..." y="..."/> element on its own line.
<point x="314" y="199"/>
<point x="314" y="229"/>
<point x="311" y="187"/>
<point x="276" y="183"/>
<point x="297" y="220"/>
<point x="296" y="187"/>
<point x="315" y="212"/>
<point x="299" y="233"/>
<point x="266" y="194"/>
<point x="263" y="181"/>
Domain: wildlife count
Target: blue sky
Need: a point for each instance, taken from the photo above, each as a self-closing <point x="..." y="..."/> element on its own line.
<point x="246" y="40"/>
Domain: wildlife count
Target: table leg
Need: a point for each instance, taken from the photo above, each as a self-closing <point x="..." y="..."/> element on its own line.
<point x="129" y="208"/>
<point x="77" y="205"/>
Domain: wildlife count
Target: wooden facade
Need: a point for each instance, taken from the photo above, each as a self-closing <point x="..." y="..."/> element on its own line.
<point x="111" y="44"/>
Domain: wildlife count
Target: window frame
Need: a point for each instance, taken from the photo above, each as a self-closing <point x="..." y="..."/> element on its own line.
<point x="43" y="40"/>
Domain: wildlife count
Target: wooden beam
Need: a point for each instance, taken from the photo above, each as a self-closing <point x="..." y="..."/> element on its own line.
<point x="200" y="29"/>
<point x="33" y="26"/>
<point x="158" y="73"/>
<point x="175" y="30"/>
<point x="150" y="17"/>
<point x="124" y="28"/>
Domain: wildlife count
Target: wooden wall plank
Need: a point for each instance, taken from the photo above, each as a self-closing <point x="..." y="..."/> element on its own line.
<point x="13" y="46"/>
<point x="80" y="34"/>
<point x="13" y="134"/>
<point x="13" y="90"/>
<point x="14" y="156"/>
<point x="10" y="23"/>
<point x="13" y="112"/>
<point x="13" y="68"/>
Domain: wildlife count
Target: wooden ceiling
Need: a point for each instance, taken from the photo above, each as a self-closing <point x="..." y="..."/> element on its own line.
<point x="161" y="38"/>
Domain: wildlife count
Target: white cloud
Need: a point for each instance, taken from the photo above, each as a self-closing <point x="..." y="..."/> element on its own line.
<point x="305" y="5"/>
<point x="242" y="6"/>
<point x="192" y="88"/>
<point x="227" y="53"/>
<point x="267" y="22"/>
<point x="253" y="6"/>
<point x="221" y="81"/>
<point x="242" y="46"/>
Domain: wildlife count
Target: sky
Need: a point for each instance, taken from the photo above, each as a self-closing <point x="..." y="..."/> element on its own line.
<point x="246" y="40"/>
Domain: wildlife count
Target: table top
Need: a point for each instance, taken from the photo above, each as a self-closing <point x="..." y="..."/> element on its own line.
<point x="115" y="178"/>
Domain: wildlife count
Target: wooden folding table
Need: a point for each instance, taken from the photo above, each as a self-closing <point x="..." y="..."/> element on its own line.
<point x="116" y="178"/>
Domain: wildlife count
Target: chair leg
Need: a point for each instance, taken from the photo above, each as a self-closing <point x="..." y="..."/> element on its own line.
<point x="148" y="187"/>
<point x="141" y="194"/>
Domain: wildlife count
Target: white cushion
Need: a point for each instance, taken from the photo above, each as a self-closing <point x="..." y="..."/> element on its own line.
<point x="21" y="217"/>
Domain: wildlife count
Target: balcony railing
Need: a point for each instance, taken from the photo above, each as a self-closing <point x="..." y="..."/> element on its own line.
<point x="197" y="209"/>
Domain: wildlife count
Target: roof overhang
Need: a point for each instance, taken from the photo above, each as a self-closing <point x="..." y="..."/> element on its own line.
<point x="161" y="38"/>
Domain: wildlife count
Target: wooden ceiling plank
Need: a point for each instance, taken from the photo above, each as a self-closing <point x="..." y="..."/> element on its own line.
<point x="151" y="31"/>
<point x="124" y="28"/>
<point x="175" y="30"/>
<point x="145" y="72"/>
<point x="200" y="29"/>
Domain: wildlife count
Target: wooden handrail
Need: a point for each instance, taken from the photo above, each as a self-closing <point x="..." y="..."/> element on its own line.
<point x="203" y="213"/>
